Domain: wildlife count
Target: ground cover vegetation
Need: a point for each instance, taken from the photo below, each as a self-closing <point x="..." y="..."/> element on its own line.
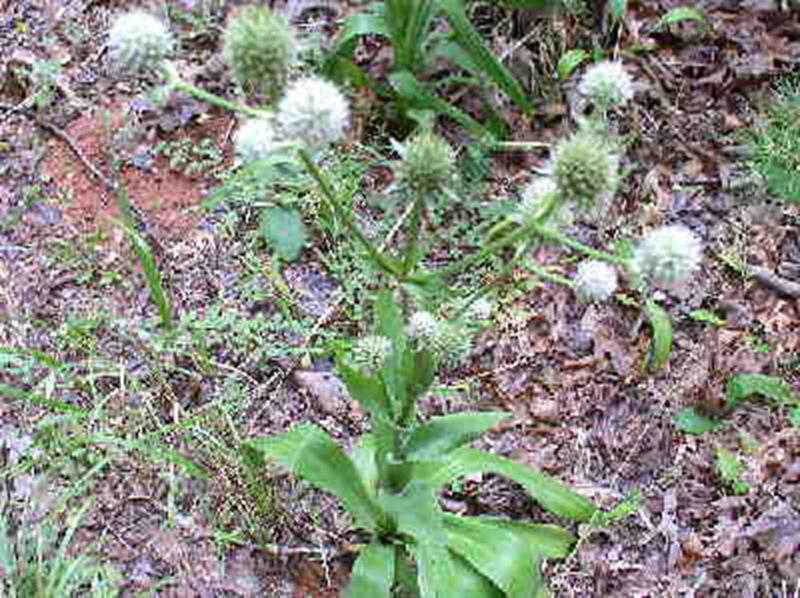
<point x="411" y="298"/>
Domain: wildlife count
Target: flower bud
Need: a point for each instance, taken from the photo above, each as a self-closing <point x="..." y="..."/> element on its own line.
<point x="370" y="352"/>
<point x="138" y="41"/>
<point x="428" y="164"/>
<point x="607" y="84"/>
<point x="586" y="171"/>
<point x="313" y="113"/>
<point x="668" y="256"/>
<point x="595" y="281"/>
<point x="259" y="47"/>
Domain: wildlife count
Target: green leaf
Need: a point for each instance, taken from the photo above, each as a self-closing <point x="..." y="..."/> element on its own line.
<point x="730" y="469"/>
<point x="373" y="572"/>
<point x="284" y="230"/>
<point x="661" y="347"/>
<point x="40" y="400"/>
<point x="550" y="493"/>
<point x="364" y="456"/>
<point x="743" y="386"/>
<point x="312" y="454"/>
<point x="617" y="9"/>
<point x="469" y="38"/>
<point x="705" y="315"/>
<point x="569" y="61"/>
<point x="389" y="318"/>
<point x="498" y="553"/>
<point x="407" y="87"/>
<point x="368" y="391"/>
<point x="151" y="273"/>
<point x="688" y="420"/>
<point x="681" y="13"/>
<point x="419" y="371"/>
<point x="546" y="540"/>
<point x="436" y="570"/>
<point x="416" y="511"/>
<point x="440" y="435"/>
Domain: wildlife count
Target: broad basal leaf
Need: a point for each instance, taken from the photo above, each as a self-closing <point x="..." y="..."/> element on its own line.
<point x="285" y="232"/>
<point x="690" y="421"/>
<point x="546" y="540"/>
<point x="440" y="435"/>
<point x="551" y="494"/>
<point x="373" y="572"/>
<point x="507" y="559"/>
<point x="312" y="454"/>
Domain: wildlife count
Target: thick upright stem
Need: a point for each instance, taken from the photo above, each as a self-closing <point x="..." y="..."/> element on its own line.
<point x="341" y="213"/>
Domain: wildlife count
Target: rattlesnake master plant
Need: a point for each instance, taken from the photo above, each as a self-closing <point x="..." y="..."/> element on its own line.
<point x="260" y="48"/>
<point x="257" y="139"/>
<point x="139" y="41"/>
<point x="390" y="483"/>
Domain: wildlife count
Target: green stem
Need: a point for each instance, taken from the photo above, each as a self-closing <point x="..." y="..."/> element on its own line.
<point x="523" y="146"/>
<point x="342" y="214"/>
<point x="552" y="235"/>
<point x="412" y="234"/>
<point x="215" y="99"/>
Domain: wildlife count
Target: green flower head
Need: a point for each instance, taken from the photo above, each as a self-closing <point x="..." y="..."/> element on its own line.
<point x="138" y="41"/>
<point x="260" y="49"/>
<point x="607" y="84"/>
<point x="428" y="164"/>
<point x="586" y="172"/>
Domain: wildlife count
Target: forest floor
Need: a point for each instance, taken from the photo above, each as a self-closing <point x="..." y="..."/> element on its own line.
<point x="102" y="410"/>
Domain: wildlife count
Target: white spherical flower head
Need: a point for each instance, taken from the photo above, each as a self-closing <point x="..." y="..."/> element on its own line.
<point x="668" y="256"/>
<point x="423" y="326"/>
<point x="139" y="41"/>
<point x="534" y="196"/>
<point x="595" y="281"/>
<point x="480" y="310"/>
<point x="256" y="139"/>
<point x="314" y="113"/>
<point x="607" y="84"/>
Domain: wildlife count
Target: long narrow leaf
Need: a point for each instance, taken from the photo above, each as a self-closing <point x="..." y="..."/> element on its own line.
<point x="497" y="553"/>
<point x="440" y="435"/>
<point x="471" y="41"/>
<point x="551" y="494"/>
<point x="310" y="453"/>
<point x="373" y="572"/>
<point x="415" y="93"/>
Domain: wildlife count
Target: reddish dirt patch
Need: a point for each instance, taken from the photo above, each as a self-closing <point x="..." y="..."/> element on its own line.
<point x="168" y="199"/>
